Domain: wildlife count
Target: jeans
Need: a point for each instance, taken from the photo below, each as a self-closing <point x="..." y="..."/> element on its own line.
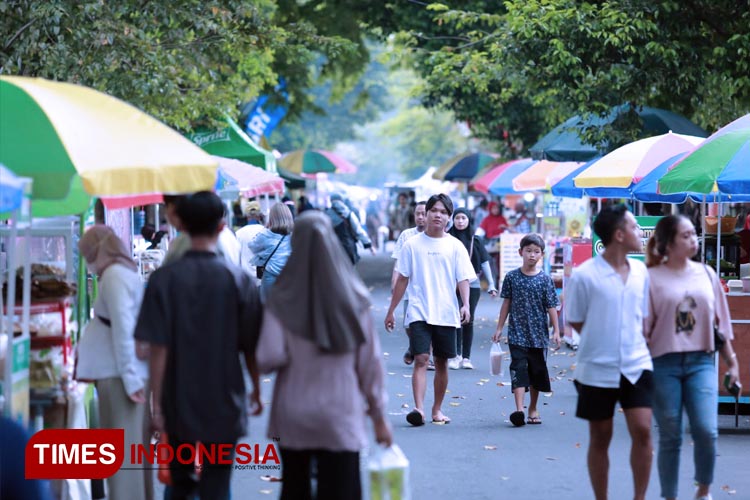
<point x="685" y="380"/>
<point x="465" y="334"/>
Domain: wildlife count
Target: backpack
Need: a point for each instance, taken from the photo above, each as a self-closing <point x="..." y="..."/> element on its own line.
<point x="346" y="236"/>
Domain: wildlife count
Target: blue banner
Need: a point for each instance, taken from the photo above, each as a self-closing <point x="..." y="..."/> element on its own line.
<point x="263" y="117"/>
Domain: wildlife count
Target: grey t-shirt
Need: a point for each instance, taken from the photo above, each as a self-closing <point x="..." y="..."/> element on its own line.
<point x="205" y="311"/>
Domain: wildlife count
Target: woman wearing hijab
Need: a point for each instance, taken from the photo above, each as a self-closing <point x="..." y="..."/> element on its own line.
<point x="463" y="229"/>
<point x="327" y="356"/>
<point x="271" y="247"/>
<point x="107" y="353"/>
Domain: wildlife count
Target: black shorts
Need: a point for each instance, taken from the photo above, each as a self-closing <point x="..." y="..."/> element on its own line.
<point x="528" y="367"/>
<point x="598" y="403"/>
<point x="442" y="338"/>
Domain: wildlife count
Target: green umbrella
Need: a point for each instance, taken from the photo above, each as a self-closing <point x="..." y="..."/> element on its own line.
<point x="232" y="142"/>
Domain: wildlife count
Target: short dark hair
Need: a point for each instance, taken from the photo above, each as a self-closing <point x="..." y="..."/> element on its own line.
<point x="442" y="198"/>
<point x="420" y="203"/>
<point x="201" y="213"/>
<point x="173" y="199"/>
<point x="532" y="239"/>
<point x="609" y="220"/>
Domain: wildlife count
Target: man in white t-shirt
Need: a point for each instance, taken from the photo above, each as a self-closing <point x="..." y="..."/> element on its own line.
<point x="419" y="219"/>
<point x="606" y="301"/>
<point x="431" y="265"/>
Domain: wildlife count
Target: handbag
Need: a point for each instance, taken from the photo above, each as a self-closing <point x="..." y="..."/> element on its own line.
<point x="259" y="270"/>
<point x="719" y="339"/>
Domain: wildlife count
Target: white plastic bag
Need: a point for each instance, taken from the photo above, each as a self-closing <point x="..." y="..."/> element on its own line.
<point x="389" y="474"/>
<point x="496" y="359"/>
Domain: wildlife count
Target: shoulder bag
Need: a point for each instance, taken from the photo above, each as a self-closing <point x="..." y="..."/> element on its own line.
<point x="259" y="270"/>
<point x="719" y="339"/>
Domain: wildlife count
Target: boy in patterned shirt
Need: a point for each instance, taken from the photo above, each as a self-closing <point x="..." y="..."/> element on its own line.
<point x="529" y="298"/>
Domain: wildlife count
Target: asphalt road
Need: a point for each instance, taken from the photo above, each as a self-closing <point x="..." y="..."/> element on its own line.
<point x="479" y="455"/>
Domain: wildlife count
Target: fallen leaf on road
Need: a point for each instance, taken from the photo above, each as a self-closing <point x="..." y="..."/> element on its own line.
<point x="391" y="373"/>
<point x="454" y="404"/>
<point x="562" y="413"/>
<point x="266" y="380"/>
<point x="548" y="394"/>
<point x="400" y="395"/>
<point x="504" y="478"/>
<point x="505" y="397"/>
<point x="573" y="366"/>
<point x="442" y="422"/>
<point x="729" y="490"/>
<point x="271" y="479"/>
<point x="484" y="380"/>
<point x="447" y="391"/>
<point x="550" y="458"/>
<point x="407" y="376"/>
<point x="266" y="492"/>
<point x="500" y="384"/>
<point x="578" y="445"/>
<point x="571" y="354"/>
<point x="490" y="447"/>
<point x="480" y="383"/>
<point x="386" y="354"/>
<point x="405" y="405"/>
<point x="458" y="397"/>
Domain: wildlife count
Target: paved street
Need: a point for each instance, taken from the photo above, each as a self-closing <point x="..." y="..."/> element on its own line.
<point x="480" y="455"/>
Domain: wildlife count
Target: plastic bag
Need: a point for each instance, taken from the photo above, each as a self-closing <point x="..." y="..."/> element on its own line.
<point x="496" y="359"/>
<point x="389" y="474"/>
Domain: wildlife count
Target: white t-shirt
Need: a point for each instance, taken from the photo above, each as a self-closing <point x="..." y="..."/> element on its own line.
<point x="434" y="266"/>
<point x="405" y="235"/>
<point x="612" y="312"/>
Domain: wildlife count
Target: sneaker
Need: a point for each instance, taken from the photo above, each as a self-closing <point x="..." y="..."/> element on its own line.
<point x="454" y="363"/>
<point x="466" y="364"/>
<point x="705" y="497"/>
<point x="431" y="366"/>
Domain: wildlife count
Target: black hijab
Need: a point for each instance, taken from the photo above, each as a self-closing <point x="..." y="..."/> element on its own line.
<point x="466" y="236"/>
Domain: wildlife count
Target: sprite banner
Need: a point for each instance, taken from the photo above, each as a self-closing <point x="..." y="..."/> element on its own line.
<point x="647" y="224"/>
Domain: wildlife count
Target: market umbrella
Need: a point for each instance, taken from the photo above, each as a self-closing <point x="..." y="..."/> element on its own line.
<point x="718" y="164"/>
<point x="566" y="187"/>
<point x="615" y="174"/>
<point x="232" y="142"/>
<point x="564" y="142"/>
<point x="292" y="181"/>
<point x="540" y="175"/>
<point x="483" y="181"/>
<point x="503" y="184"/>
<point x="247" y="179"/>
<point x="464" y="166"/>
<point x="647" y="190"/>
<point x="315" y="161"/>
<point x="53" y="131"/>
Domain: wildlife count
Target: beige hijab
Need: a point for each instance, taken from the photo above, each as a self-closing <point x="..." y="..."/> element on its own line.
<point x="101" y="248"/>
<point x="321" y="287"/>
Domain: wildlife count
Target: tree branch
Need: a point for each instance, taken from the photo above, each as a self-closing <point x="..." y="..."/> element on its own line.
<point x="18" y="33"/>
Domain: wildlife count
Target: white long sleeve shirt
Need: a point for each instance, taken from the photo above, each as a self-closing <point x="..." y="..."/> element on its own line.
<point x="109" y="351"/>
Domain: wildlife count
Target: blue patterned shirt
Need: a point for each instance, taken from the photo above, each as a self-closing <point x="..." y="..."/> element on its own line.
<point x="531" y="297"/>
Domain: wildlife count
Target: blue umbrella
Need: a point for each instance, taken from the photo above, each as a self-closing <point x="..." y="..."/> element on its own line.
<point x="503" y="184"/>
<point x="566" y="186"/>
<point x="647" y="189"/>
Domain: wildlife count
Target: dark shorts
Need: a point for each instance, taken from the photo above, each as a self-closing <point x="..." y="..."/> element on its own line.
<point x="442" y="338"/>
<point x="528" y="368"/>
<point x="598" y="403"/>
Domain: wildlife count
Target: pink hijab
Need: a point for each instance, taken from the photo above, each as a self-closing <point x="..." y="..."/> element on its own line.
<point x="101" y="248"/>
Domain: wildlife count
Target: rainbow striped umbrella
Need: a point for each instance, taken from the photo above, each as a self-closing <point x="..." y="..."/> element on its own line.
<point x="483" y="181"/>
<point x="315" y="161"/>
<point x="542" y="174"/>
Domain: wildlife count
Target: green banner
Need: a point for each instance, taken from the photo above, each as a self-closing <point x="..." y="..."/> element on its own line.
<point x="647" y="224"/>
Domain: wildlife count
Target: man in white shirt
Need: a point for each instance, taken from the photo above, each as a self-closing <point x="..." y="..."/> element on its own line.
<point x="606" y="301"/>
<point x="419" y="219"/>
<point x="432" y="264"/>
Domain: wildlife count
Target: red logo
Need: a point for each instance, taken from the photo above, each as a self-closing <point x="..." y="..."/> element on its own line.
<point x="75" y="453"/>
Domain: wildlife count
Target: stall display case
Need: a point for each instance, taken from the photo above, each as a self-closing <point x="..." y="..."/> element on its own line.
<point x="729" y="253"/>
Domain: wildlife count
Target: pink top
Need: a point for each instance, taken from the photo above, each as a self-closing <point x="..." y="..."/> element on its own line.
<point x="320" y="400"/>
<point x="683" y="307"/>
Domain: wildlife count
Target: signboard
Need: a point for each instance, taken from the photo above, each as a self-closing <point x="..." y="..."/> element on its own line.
<point x="647" y="224"/>
<point x="509" y="258"/>
<point x="18" y="396"/>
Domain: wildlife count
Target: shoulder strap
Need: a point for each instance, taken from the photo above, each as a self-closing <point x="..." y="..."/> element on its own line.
<point x="274" y="250"/>
<point x="471" y="247"/>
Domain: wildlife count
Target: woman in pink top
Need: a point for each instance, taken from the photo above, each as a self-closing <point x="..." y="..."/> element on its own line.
<point x="686" y="300"/>
<point x="318" y="335"/>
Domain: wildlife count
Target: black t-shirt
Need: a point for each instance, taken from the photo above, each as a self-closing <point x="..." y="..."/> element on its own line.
<point x="206" y="312"/>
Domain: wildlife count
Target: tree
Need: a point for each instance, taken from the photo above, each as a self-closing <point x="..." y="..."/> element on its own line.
<point x="183" y="61"/>
<point x="530" y="64"/>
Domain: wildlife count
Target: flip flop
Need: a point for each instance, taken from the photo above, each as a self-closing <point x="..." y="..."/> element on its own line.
<point x="517" y="418"/>
<point x="534" y="420"/>
<point x="441" y="420"/>
<point x="415" y="418"/>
